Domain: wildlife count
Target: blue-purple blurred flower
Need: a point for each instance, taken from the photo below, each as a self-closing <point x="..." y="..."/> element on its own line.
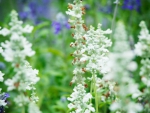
<point x="34" y="10"/>
<point x="2" y="66"/>
<point x="106" y="9"/>
<point x="59" y="26"/>
<point x="132" y="5"/>
<point x="60" y="23"/>
<point x="3" y="96"/>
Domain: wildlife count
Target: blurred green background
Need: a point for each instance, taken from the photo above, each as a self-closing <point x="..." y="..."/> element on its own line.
<point x="51" y="38"/>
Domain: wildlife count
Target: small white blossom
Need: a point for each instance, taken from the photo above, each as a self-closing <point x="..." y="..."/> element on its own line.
<point x="21" y="100"/>
<point x="2" y="102"/>
<point x="4" y="32"/>
<point x="75" y="10"/>
<point x="80" y="100"/>
<point x="33" y="108"/>
<point x="1" y="76"/>
<point x="142" y="47"/>
<point x="27" y="29"/>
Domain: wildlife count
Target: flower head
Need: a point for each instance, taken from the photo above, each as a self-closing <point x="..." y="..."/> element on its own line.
<point x="132" y="4"/>
<point x="17" y="47"/>
<point x="142" y="47"/>
<point x="80" y="100"/>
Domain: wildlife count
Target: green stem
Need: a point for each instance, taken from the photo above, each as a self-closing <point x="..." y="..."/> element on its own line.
<point x="95" y="92"/>
<point x="23" y="109"/>
<point x="91" y="89"/>
<point x="114" y="18"/>
<point x="105" y="109"/>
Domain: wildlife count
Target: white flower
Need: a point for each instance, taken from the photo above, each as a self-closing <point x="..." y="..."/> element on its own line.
<point x="120" y="64"/>
<point x="1" y="50"/>
<point x="132" y="66"/>
<point x="96" y="48"/>
<point x="11" y="84"/>
<point x="138" y="49"/>
<point x="34" y="98"/>
<point x="142" y="47"/>
<point x="75" y="11"/>
<point x="1" y="76"/>
<point x="33" y="108"/>
<point x="21" y="100"/>
<point x="87" y="97"/>
<point x="115" y="106"/>
<point x="4" y="32"/>
<point x="17" y="46"/>
<point x="134" y="107"/>
<point x="2" y="102"/>
<point x="79" y="100"/>
<point x="27" y="29"/>
<point x="15" y="51"/>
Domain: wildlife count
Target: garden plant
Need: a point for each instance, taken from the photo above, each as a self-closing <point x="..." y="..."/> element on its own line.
<point x="74" y="56"/>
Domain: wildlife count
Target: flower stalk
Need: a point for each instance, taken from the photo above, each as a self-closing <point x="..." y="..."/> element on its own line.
<point x="90" y="55"/>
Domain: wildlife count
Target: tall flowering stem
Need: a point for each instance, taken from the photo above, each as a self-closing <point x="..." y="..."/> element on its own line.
<point x="3" y="96"/>
<point x="121" y="67"/>
<point x="90" y="55"/>
<point x="142" y="49"/>
<point x="15" y="51"/>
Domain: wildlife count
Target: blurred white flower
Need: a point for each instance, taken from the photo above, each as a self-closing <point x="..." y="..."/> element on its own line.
<point x="2" y="102"/>
<point x="121" y="63"/>
<point x="1" y="76"/>
<point x="4" y="32"/>
<point x="33" y="108"/>
<point x="21" y="100"/>
<point x="132" y="66"/>
<point x="142" y="48"/>
<point x="27" y="29"/>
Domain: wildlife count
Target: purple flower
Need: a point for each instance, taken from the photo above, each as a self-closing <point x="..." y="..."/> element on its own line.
<point x="57" y="26"/>
<point x="2" y="109"/>
<point x="3" y="97"/>
<point x="34" y="10"/>
<point x="23" y="15"/>
<point x="132" y="5"/>
<point x="2" y="66"/>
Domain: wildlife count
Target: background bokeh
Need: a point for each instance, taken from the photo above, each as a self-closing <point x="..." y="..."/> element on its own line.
<point x="51" y="38"/>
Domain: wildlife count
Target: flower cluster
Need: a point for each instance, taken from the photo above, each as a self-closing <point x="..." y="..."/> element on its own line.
<point x="90" y="55"/>
<point x="3" y="101"/>
<point x="3" y="96"/>
<point x="96" y="52"/>
<point x="106" y="90"/>
<point x="76" y="10"/>
<point x="142" y="49"/>
<point x="17" y="47"/>
<point x="60" y="23"/>
<point x="121" y="63"/>
<point x="24" y="79"/>
<point x="132" y="5"/>
<point x="33" y="108"/>
<point x="80" y="100"/>
<point x="33" y="10"/>
<point x="15" y="51"/>
<point x="78" y="104"/>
